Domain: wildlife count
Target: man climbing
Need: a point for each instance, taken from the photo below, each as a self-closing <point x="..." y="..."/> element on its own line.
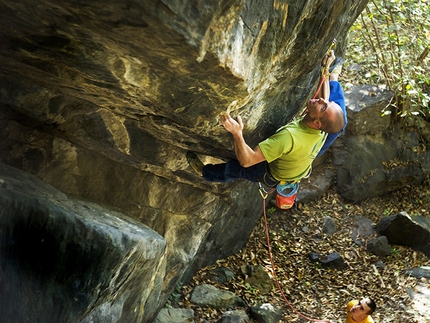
<point x="287" y="155"/>
<point x="359" y="311"/>
<point x="333" y="90"/>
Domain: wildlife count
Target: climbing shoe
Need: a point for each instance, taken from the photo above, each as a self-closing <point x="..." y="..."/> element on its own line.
<point x="195" y="163"/>
<point x="336" y="67"/>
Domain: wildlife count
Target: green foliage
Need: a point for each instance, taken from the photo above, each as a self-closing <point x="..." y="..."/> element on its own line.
<point x="391" y="42"/>
<point x="271" y="210"/>
<point x="175" y="296"/>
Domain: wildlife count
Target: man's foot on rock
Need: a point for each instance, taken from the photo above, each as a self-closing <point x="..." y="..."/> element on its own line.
<point x="195" y="162"/>
<point x="336" y="68"/>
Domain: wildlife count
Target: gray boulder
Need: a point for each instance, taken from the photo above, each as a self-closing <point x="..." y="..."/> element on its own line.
<point x="175" y="315"/>
<point x="329" y="226"/>
<point x="208" y="295"/>
<point x="266" y="313"/>
<point x="332" y="260"/>
<point x="362" y="230"/>
<point x="257" y="277"/>
<point x="419" y="272"/>
<point x="379" y="247"/>
<point x="68" y="260"/>
<point x="374" y="157"/>
<point x="420" y="301"/>
<point x="405" y="230"/>
<point x="366" y="104"/>
<point x="312" y="188"/>
<point x="236" y="316"/>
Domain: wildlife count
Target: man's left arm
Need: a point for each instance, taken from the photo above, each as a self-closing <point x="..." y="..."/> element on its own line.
<point x="324" y="91"/>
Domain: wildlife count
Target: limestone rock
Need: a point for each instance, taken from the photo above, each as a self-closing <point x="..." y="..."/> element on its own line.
<point x="365" y="106"/>
<point x="68" y="260"/>
<point x="314" y="187"/>
<point x="236" y="316"/>
<point x="419" y="272"/>
<point x="175" y="315"/>
<point x="257" y="277"/>
<point x="332" y="260"/>
<point x="379" y="247"/>
<point x="329" y="226"/>
<point x="374" y="157"/>
<point x="221" y="275"/>
<point x="266" y="313"/>
<point x="211" y="296"/>
<point x="102" y="99"/>
<point x="362" y="230"/>
<point x="420" y="296"/>
<point x="402" y="229"/>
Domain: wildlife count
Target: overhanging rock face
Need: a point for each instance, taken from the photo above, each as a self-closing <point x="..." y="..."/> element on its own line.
<point x="102" y="99"/>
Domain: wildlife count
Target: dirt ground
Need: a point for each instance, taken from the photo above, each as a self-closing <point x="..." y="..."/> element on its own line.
<point x="322" y="293"/>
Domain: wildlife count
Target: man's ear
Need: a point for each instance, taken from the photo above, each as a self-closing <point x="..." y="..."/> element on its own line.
<point x="317" y="124"/>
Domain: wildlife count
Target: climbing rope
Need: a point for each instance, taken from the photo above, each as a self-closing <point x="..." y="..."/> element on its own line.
<point x="324" y="69"/>
<point x="264" y="195"/>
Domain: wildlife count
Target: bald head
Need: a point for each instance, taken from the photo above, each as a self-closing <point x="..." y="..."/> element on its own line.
<point x="332" y="121"/>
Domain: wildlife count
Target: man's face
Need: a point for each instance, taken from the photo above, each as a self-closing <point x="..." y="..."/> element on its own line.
<point x="316" y="107"/>
<point x="359" y="311"/>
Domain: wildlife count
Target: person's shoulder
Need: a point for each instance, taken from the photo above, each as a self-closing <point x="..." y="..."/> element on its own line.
<point x="369" y="319"/>
<point x="293" y="123"/>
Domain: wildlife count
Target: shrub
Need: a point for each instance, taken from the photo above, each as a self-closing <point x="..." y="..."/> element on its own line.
<point x="391" y="42"/>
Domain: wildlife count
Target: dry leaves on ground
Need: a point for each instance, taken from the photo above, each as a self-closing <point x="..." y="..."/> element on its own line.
<point x="318" y="292"/>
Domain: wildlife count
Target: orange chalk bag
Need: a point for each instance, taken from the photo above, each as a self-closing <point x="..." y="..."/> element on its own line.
<point x="286" y="195"/>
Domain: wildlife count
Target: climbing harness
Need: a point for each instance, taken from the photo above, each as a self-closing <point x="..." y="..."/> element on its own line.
<point x="285" y="194"/>
<point x="286" y="201"/>
<point x="264" y="195"/>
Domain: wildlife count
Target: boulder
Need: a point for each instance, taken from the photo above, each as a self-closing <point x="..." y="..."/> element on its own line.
<point x="102" y="99"/>
<point x="405" y="230"/>
<point x="266" y="313"/>
<point x="236" y="316"/>
<point x="322" y="178"/>
<point x="329" y="226"/>
<point x="208" y="295"/>
<point x="362" y="230"/>
<point x="365" y="106"/>
<point x="420" y="301"/>
<point x="333" y="260"/>
<point x="374" y="156"/>
<point x="175" y="315"/>
<point x="379" y="247"/>
<point x="257" y="277"/>
<point x="64" y="259"/>
<point x="419" y="272"/>
<point x="221" y="275"/>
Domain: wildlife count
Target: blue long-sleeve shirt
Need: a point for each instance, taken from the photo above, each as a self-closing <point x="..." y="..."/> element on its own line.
<point x="336" y="95"/>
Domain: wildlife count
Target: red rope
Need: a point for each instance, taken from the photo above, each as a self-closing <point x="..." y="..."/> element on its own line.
<point x="274" y="271"/>
<point x="316" y="92"/>
<point x="264" y="196"/>
<point x="319" y="86"/>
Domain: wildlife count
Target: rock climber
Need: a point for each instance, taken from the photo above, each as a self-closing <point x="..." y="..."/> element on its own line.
<point x="287" y="155"/>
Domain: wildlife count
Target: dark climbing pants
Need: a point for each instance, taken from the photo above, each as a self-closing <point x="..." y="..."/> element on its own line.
<point x="232" y="170"/>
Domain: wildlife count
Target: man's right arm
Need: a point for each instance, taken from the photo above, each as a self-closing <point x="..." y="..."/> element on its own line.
<point x="244" y="153"/>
